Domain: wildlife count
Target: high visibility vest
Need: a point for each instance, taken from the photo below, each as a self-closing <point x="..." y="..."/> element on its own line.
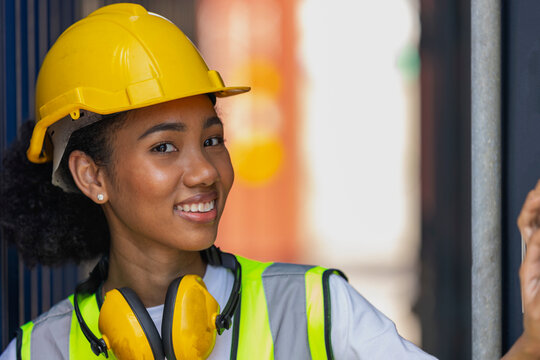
<point x="284" y="313"/>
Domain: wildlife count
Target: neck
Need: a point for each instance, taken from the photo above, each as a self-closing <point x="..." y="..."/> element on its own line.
<point x="149" y="272"/>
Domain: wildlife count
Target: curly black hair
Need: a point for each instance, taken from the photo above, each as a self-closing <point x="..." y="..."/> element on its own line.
<point x="50" y="226"/>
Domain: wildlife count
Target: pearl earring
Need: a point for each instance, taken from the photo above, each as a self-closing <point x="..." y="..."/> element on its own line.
<point x="100" y="197"/>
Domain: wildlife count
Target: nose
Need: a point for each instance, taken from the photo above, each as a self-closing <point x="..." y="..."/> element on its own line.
<point x="199" y="169"/>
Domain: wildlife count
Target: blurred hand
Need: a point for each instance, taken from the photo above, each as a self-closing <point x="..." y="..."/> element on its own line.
<point x="528" y="345"/>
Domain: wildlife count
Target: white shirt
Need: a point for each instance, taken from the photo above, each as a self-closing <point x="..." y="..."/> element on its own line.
<point x="359" y="330"/>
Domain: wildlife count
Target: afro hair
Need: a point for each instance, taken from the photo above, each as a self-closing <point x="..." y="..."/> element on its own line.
<point x="50" y="226"/>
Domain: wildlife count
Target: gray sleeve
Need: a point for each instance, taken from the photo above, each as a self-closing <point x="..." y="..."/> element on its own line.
<point x="360" y="331"/>
<point x="11" y="351"/>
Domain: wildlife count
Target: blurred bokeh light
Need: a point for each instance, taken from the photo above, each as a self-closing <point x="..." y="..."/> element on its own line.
<point x="326" y="147"/>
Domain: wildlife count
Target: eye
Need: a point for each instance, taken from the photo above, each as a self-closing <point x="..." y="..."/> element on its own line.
<point x="214" y="141"/>
<point x="164" y="148"/>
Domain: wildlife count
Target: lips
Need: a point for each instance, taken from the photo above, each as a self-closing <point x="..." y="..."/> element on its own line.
<point x="200" y="208"/>
<point x="197" y="207"/>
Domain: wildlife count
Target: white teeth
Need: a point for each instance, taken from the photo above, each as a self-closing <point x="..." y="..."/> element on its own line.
<point x="198" y="207"/>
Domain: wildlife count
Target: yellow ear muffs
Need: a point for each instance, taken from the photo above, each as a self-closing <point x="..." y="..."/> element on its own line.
<point x="127" y="328"/>
<point x="191" y="317"/>
<point x="189" y="320"/>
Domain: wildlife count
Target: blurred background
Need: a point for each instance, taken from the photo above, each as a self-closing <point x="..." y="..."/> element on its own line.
<point x="351" y="151"/>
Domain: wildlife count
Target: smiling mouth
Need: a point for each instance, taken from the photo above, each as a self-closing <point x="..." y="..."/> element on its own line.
<point x="201" y="207"/>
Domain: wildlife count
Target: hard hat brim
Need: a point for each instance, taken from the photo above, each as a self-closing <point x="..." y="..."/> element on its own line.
<point x="37" y="153"/>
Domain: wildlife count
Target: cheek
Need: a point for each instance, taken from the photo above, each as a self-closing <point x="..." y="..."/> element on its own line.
<point x="143" y="179"/>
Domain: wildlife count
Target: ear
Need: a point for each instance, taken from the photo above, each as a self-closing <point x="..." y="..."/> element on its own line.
<point x="88" y="176"/>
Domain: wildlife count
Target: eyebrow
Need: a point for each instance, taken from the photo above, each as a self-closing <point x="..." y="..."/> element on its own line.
<point x="214" y="120"/>
<point x="163" y="127"/>
<point x="178" y="126"/>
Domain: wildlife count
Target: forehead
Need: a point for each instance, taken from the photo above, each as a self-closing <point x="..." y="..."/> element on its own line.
<point x="191" y="111"/>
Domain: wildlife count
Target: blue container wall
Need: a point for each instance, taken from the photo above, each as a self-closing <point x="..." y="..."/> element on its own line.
<point x="521" y="148"/>
<point x="28" y="28"/>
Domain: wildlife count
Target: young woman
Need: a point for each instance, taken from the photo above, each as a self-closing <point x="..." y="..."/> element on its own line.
<point x="140" y="177"/>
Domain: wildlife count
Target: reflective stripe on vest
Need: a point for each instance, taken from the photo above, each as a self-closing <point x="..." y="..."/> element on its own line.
<point x="254" y="336"/>
<point x="314" y="309"/>
<point x="57" y="334"/>
<point x="25" y="340"/>
<point x="284" y="313"/>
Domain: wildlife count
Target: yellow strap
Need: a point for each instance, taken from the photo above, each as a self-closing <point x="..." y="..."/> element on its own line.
<point x="255" y="337"/>
<point x="26" y="340"/>
<point x="315" y="313"/>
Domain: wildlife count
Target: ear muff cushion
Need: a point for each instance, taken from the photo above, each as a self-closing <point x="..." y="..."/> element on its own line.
<point x="189" y="331"/>
<point x="166" y="324"/>
<point x="145" y="321"/>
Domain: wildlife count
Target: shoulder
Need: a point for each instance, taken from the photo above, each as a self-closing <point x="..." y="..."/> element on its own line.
<point x="349" y="307"/>
<point x="254" y="271"/>
<point x="57" y="319"/>
<point x="56" y="313"/>
<point x="49" y="332"/>
<point x="269" y="269"/>
<point x="345" y="298"/>
<point x="284" y="274"/>
<point x="286" y="269"/>
<point x="360" y="331"/>
<point x="10" y="353"/>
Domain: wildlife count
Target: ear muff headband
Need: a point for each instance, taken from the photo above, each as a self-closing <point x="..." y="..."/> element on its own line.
<point x="167" y="323"/>
<point x="229" y="261"/>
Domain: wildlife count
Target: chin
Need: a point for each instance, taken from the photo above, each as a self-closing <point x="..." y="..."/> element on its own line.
<point x="197" y="244"/>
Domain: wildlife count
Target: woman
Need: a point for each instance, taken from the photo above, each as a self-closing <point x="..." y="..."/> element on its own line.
<point x="125" y="111"/>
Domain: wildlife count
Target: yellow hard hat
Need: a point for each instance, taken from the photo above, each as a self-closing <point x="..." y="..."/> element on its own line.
<point x="118" y="58"/>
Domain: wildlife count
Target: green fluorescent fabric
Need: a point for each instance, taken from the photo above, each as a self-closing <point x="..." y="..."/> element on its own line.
<point x="315" y="313"/>
<point x="79" y="347"/>
<point x="255" y="336"/>
<point x="26" y="340"/>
